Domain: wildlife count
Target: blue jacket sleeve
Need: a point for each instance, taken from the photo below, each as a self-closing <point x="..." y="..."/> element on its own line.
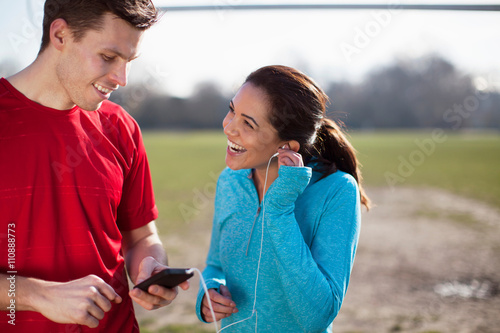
<point x="315" y="277"/>
<point x="213" y="273"/>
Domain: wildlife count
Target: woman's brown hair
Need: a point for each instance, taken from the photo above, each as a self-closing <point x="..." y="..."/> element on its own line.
<point x="298" y="112"/>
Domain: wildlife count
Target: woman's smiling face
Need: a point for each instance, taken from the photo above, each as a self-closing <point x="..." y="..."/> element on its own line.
<point x="252" y="140"/>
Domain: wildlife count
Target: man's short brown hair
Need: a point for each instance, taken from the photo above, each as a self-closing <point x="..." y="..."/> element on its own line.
<point x="84" y="15"/>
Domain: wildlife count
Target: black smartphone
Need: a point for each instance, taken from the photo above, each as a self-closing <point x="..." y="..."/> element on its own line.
<point x="168" y="278"/>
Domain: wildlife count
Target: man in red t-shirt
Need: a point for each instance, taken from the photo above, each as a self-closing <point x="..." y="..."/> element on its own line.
<point x="76" y="199"/>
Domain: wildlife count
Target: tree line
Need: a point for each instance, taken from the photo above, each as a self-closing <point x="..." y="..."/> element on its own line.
<point x="427" y="92"/>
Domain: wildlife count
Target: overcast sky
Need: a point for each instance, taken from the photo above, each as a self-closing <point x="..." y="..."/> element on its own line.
<point x="224" y="45"/>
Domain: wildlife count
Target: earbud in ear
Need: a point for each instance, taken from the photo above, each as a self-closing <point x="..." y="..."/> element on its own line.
<point x="282" y="147"/>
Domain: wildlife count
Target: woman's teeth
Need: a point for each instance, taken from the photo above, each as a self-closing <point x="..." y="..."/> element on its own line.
<point x="235" y="148"/>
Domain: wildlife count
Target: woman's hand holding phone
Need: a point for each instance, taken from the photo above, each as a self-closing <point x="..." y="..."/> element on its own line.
<point x="222" y="304"/>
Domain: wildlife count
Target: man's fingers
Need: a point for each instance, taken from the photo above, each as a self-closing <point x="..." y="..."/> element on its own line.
<point x="105" y="289"/>
<point x="90" y="321"/>
<point x="109" y="294"/>
<point x="144" y="304"/>
<point x="88" y="313"/>
<point x="96" y="312"/>
<point x="184" y="285"/>
<point x="147" y="301"/>
<point x="156" y="296"/>
<point x="162" y="292"/>
<point x="146" y="269"/>
<point x="99" y="300"/>
<point x="98" y="303"/>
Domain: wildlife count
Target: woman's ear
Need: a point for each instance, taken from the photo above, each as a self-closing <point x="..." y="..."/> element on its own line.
<point x="59" y="33"/>
<point x="294" y="145"/>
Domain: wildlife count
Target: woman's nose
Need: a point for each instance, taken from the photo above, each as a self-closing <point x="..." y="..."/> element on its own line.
<point x="229" y="127"/>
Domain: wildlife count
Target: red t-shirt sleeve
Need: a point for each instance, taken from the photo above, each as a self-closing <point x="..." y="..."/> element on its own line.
<point x="137" y="206"/>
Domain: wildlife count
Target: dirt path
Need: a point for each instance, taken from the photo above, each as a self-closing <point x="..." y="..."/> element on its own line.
<point x="428" y="261"/>
<point x="417" y="242"/>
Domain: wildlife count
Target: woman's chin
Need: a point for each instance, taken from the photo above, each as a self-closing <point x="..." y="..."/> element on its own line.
<point x="231" y="164"/>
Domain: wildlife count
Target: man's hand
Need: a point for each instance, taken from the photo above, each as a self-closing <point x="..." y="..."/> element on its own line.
<point x="83" y="301"/>
<point x="222" y="304"/>
<point x="157" y="296"/>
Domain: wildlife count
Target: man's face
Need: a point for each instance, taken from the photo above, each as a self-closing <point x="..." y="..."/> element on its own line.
<point x="90" y="69"/>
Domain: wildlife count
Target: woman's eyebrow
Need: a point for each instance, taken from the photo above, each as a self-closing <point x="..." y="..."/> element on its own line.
<point x="246" y="116"/>
<point x="231" y="106"/>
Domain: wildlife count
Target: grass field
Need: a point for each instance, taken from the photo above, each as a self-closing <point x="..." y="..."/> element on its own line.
<point x="464" y="163"/>
<point x="185" y="165"/>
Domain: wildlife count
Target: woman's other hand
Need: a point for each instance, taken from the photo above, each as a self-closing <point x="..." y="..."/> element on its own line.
<point x="223" y="304"/>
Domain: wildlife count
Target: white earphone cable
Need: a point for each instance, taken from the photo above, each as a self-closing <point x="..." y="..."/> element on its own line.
<point x="258" y="264"/>
<point x="204" y="285"/>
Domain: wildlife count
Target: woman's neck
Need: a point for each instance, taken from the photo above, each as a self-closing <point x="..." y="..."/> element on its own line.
<point x="259" y="178"/>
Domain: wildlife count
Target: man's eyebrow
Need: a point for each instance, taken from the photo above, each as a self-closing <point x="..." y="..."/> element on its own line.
<point x="121" y="55"/>
<point x="231" y="106"/>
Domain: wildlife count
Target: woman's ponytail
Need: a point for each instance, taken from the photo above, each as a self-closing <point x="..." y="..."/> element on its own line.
<point x="335" y="152"/>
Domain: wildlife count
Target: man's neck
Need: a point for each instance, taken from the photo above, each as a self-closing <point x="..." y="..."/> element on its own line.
<point x="39" y="83"/>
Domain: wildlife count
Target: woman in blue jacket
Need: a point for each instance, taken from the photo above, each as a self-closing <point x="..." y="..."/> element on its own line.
<point x="287" y="210"/>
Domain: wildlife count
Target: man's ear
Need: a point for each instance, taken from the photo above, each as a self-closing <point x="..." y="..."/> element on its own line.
<point x="59" y="33"/>
<point x="294" y="145"/>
